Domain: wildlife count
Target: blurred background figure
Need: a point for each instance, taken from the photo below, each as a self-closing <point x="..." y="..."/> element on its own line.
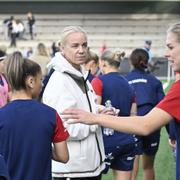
<point x="20" y="29"/>
<point x="103" y="48"/>
<point x="8" y="27"/>
<point x="14" y="28"/>
<point x="29" y="52"/>
<point x="147" y="47"/>
<point x="42" y="57"/>
<point x="4" y="88"/>
<point x="152" y="62"/>
<point x="54" y="48"/>
<point x="31" y="24"/>
<point x="92" y="64"/>
<point x="13" y="32"/>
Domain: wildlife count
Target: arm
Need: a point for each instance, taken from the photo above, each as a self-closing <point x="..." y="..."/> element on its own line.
<point x="133" y="109"/>
<point x="60" y="152"/>
<point x="162" y="114"/>
<point x="98" y="88"/>
<point x="142" y="125"/>
<point x="172" y="143"/>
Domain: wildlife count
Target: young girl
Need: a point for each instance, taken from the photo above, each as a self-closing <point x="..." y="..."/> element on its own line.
<point x="3" y="82"/>
<point x="28" y="127"/>
<point x="149" y="92"/>
<point x="113" y="87"/>
<point x="92" y="65"/>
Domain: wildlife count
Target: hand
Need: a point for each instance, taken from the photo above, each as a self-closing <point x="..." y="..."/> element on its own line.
<point x="172" y="143"/>
<point x="74" y="115"/>
<point x="109" y="111"/>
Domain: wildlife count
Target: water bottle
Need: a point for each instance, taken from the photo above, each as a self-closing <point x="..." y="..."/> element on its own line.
<point x="108" y="131"/>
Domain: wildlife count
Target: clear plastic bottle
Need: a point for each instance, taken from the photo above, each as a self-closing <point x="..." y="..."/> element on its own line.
<point x="108" y="131"/>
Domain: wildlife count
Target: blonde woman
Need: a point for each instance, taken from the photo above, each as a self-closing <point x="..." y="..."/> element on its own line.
<point x="68" y="87"/>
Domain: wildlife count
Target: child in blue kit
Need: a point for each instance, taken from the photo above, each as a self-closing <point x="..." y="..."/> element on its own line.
<point x="3" y="169"/>
<point x="149" y="92"/>
<point x="112" y="87"/>
<point x="27" y="127"/>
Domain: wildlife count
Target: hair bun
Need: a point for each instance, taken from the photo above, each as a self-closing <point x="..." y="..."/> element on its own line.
<point x="118" y="55"/>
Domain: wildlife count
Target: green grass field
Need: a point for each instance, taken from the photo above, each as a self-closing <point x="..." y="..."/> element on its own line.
<point x="164" y="162"/>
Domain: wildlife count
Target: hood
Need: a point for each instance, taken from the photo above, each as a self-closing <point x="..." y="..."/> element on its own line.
<point x="59" y="63"/>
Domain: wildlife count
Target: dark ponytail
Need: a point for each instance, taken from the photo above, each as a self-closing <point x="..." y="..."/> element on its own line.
<point x="139" y="59"/>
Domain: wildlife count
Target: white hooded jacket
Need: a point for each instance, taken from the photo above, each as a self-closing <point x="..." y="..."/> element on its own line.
<point x="67" y="88"/>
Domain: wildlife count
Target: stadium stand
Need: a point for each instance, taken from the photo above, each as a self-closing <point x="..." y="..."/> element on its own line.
<point x="117" y="23"/>
<point x="124" y="31"/>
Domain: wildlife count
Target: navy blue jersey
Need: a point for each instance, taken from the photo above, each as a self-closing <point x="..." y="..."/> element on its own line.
<point x="27" y="129"/>
<point x="45" y="81"/>
<point x="148" y="90"/>
<point x="117" y="89"/>
<point x="3" y="169"/>
<point x="177" y="130"/>
<point x="172" y="130"/>
<point x="90" y="77"/>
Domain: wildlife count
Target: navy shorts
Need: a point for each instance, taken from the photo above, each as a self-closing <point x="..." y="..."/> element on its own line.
<point x="138" y="145"/>
<point x="148" y="144"/>
<point x="120" y="157"/>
